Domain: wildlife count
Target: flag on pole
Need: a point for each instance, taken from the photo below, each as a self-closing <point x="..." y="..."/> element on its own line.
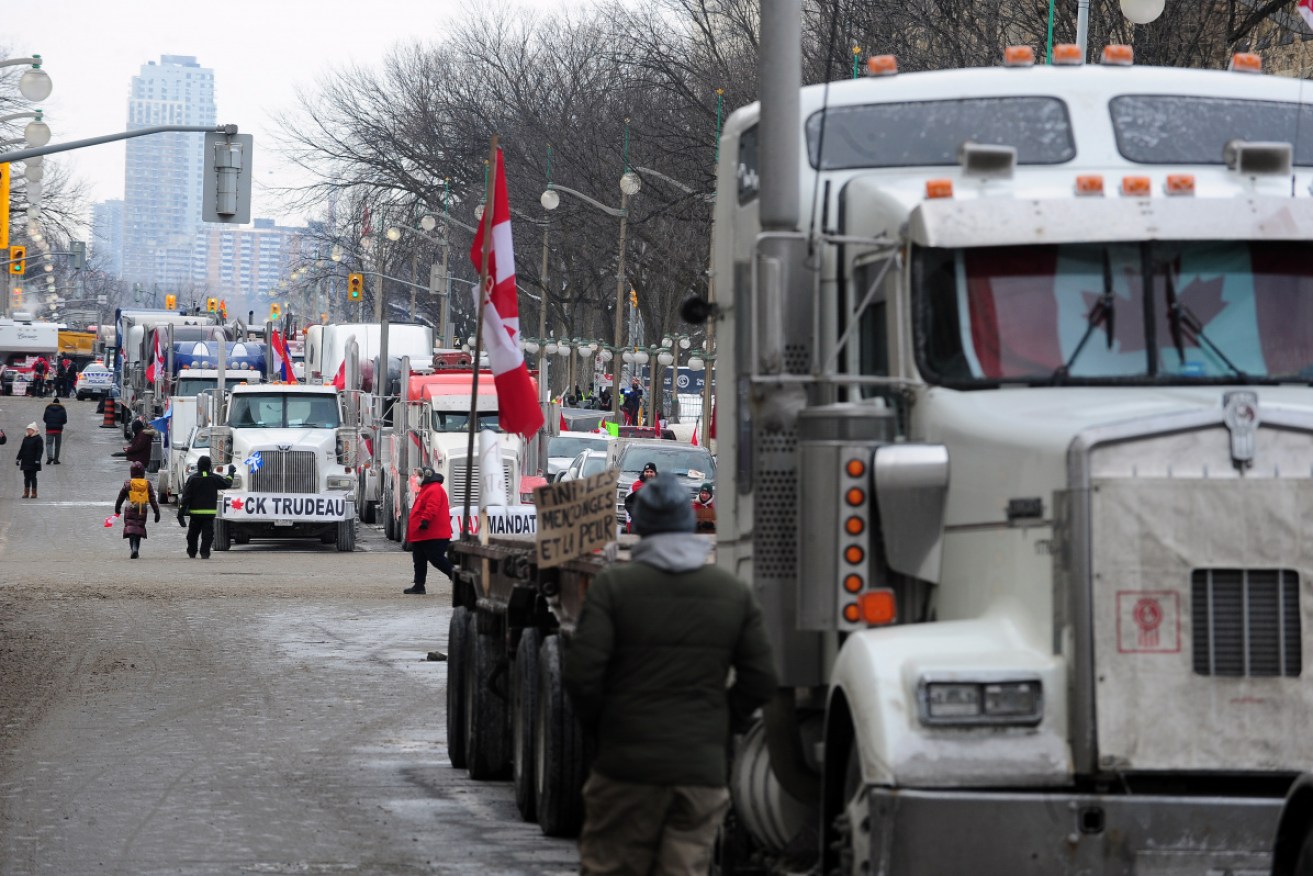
<point x="516" y="400"/>
<point x="156" y="362"/>
<point x="282" y="358"/>
<point x="339" y="379"/>
<point x="694" y="442"/>
<point x="1305" y="8"/>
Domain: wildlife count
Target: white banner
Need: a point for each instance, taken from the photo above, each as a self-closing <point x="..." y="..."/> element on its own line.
<point x="320" y="508"/>
<point x="507" y="520"/>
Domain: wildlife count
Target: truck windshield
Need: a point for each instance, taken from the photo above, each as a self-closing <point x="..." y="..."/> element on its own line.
<point x="1186" y="129"/>
<point x="1223" y="311"/>
<point x="284" y="411"/>
<point x="193" y="385"/>
<point x="459" y="421"/>
<point x="684" y="462"/>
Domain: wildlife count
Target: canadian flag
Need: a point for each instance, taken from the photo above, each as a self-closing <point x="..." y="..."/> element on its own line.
<point x="156" y="362"/>
<point x="516" y="400"/>
<point x="1305" y="8"/>
<point x="339" y="379"/>
<point x="283" y="358"/>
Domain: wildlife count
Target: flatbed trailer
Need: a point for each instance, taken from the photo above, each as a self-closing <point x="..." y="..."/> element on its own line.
<point x="507" y="714"/>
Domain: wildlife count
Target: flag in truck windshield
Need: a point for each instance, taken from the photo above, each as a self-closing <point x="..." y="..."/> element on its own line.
<point x="282" y="358"/>
<point x="519" y="410"/>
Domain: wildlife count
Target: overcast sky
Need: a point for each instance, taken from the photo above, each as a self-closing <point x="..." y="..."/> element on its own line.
<point x="260" y="51"/>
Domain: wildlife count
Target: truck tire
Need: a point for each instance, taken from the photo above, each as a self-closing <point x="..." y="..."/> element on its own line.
<point x="487" y="746"/>
<point x="346" y="536"/>
<point x="458" y="634"/>
<point x="558" y="750"/>
<point x="223" y="538"/>
<point x="524" y="711"/>
<point x="389" y="522"/>
<point x="368" y="509"/>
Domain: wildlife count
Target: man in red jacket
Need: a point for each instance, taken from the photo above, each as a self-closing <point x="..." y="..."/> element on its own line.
<point x="429" y="532"/>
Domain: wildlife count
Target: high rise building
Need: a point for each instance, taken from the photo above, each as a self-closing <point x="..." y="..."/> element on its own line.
<point x="107" y="237"/>
<point x="162" y="185"/>
<point x="249" y="263"/>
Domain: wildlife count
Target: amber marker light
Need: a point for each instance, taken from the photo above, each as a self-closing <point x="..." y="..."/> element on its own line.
<point x="878" y="607"/>
<point x="855" y="525"/>
<point x="853" y="583"/>
<point x="856" y="468"/>
<point x="855" y="496"/>
<point x="854" y="554"/>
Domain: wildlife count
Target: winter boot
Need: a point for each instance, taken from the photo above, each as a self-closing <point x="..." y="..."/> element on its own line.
<point x="34" y="492"/>
<point x="415" y="590"/>
<point x="27" y="492"/>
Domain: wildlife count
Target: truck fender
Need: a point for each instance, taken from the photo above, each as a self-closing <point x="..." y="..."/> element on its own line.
<point x="874" y="686"/>
<point x="1295" y="829"/>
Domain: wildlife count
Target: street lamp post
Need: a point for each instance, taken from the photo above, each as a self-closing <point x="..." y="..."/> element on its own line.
<point x="630" y="184"/>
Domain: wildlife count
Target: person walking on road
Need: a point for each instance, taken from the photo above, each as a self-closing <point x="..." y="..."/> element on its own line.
<point x="139" y="494"/>
<point x="200" y="499"/>
<point x="29" y="459"/>
<point x="646" y="671"/>
<point x="55" y="418"/>
<point x="429" y="532"/>
<point x="138" y="449"/>
<point x="39" y="369"/>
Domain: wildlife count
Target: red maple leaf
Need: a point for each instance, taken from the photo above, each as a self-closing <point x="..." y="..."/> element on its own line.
<point x="236" y="504"/>
<point x="1201" y="297"/>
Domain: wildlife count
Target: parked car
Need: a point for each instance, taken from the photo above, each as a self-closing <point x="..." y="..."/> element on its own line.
<point x="94" y="382"/>
<point x="589" y="462"/>
<point x="693" y="465"/>
<point x="563" y="448"/>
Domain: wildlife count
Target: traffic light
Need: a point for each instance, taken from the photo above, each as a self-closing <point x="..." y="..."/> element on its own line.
<point x="212" y="305"/>
<point x="223" y="308"/>
<point x="170" y="302"/>
<point x="18" y="260"/>
<point x="275" y="310"/>
<point x="633" y="297"/>
<point x="355" y="286"/>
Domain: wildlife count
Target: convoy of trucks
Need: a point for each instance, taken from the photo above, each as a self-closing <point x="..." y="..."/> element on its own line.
<point x="1027" y="375"/>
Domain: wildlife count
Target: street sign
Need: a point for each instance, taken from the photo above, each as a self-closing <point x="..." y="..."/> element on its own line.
<point x="689" y="381"/>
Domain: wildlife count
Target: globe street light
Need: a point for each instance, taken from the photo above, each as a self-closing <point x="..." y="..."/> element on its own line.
<point x="1142" y="11"/>
<point x="35" y="83"/>
<point x="630" y="184"/>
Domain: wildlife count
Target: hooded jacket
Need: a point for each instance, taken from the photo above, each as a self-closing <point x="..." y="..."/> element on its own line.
<point x="138" y="449"/>
<point x="431" y="506"/>
<point x="648" y="663"/>
<point x="134" y="520"/>
<point x="55" y="417"/>
<point x="30" y="452"/>
<point x="200" y="495"/>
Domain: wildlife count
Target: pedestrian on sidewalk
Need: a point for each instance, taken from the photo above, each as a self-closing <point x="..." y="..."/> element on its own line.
<point x="56" y="418"/>
<point x="429" y="532"/>
<point x="200" y="499"/>
<point x="646" y="672"/>
<point x="139" y="494"/>
<point x="29" y="459"/>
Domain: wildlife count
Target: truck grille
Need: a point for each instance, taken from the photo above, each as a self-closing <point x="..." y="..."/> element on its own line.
<point x="456" y="485"/>
<point x="286" y="471"/>
<point x="1246" y="622"/>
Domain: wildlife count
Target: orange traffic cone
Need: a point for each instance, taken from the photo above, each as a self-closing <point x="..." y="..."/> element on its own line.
<point x="111" y="417"/>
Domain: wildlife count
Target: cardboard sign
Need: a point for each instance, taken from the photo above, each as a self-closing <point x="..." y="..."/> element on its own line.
<point x="507" y="520"/>
<point x="318" y="508"/>
<point x="575" y="517"/>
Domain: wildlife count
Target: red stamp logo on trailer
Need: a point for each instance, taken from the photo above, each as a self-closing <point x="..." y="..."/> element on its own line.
<point x="1148" y="622"/>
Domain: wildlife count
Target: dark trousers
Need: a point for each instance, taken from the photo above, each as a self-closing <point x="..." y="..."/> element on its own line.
<point x="53" y="442"/>
<point x="200" y="526"/>
<point x="433" y="551"/>
<point x="29" y="479"/>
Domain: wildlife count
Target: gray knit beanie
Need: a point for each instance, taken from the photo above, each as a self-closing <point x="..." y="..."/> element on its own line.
<point x="663" y="505"/>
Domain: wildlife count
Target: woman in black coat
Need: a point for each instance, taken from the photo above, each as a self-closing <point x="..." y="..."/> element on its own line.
<point x="29" y="459"/>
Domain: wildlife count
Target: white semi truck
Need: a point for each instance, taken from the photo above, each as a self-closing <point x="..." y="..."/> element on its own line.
<point x="295" y="451"/>
<point x="1016" y="450"/>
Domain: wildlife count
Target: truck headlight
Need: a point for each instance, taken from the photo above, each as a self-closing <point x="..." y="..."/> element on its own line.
<point x="341" y="482"/>
<point x="966" y="703"/>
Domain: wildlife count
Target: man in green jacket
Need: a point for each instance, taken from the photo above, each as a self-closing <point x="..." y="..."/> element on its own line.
<point x="647" y="671"/>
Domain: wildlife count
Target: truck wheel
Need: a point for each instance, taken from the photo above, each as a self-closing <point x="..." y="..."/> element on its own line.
<point x="368" y="509"/>
<point x="524" y="709"/>
<point x="222" y="537"/>
<point x="458" y="634"/>
<point x="486" y="745"/>
<point x="346" y="536"/>
<point x="854" y="819"/>
<point x="558" y="750"/>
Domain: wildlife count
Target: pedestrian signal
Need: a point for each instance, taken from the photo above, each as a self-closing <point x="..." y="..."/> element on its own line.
<point x="18" y="260"/>
<point x="170" y="302"/>
<point x="355" y="286"/>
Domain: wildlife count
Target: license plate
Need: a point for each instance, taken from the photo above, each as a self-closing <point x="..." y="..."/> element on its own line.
<point x="282" y="523"/>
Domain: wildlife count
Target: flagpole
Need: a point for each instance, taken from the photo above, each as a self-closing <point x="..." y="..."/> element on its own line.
<point x="489" y="209"/>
